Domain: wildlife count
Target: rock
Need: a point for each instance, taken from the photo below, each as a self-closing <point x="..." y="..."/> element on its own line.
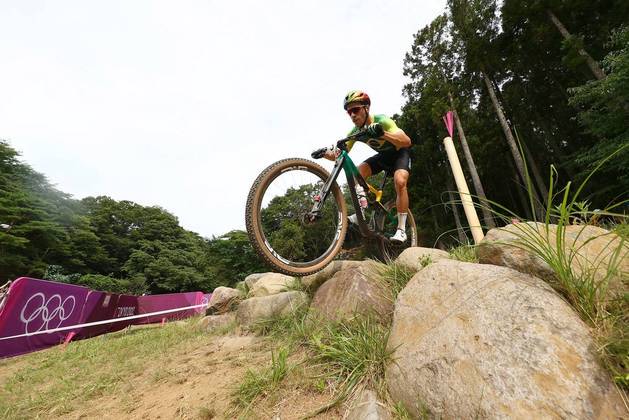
<point x="251" y="279"/>
<point x="482" y="341"/>
<point x="223" y="299"/>
<point x="313" y="281"/>
<point x="352" y="291"/>
<point x="212" y="323"/>
<point x="271" y="284"/>
<point x="592" y="247"/>
<point x="260" y="308"/>
<point x="367" y="407"/>
<point x="417" y="258"/>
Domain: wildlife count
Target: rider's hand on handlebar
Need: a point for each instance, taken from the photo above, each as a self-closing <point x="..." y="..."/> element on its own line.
<point x="374" y="131"/>
<point x="319" y="153"/>
<point x="327" y="152"/>
<point x="332" y="153"/>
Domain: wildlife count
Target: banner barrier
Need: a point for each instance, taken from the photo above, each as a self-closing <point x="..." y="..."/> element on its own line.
<point x="103" y="322"/>
<point x="155" y="303"/>
<point x="36" y="314"/>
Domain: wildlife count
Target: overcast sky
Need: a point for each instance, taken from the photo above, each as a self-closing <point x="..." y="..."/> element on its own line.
<point x="181" y="104"/>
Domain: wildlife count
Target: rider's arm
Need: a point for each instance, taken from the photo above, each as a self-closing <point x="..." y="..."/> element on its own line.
<point x="398" y="138"/>
<point x="393" y="134"/>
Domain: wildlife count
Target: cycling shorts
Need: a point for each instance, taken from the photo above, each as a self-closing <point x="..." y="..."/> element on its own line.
<point x="390" y="161"/>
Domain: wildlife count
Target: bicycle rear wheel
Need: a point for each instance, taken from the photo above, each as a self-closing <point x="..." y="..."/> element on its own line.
<point x="387" y="225"/>
<point x="277" y="205"/>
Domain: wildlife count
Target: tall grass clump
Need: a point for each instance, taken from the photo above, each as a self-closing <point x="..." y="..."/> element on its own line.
<point x="351" y="353"/>
<point x="465" y="252"/>
<point x="292" y="328"/>
<point x="396" y="275"/>
<point x="263" y="382"/>
<point x="347" y="354"/>
<point x="595" y="286"/>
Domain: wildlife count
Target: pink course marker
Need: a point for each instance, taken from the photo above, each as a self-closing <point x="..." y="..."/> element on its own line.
<point x="448" y="119"/>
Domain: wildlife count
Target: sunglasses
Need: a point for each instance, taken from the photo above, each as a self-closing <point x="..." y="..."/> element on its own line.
<point x="354" y="110"/>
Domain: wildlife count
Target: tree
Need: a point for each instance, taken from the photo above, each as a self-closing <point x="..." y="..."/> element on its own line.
<point x="36" y="215"/>
<point x="433" y="62"/>
<point x="231" y="258"/>
<point x="592" y="64"/>
<point x="604" y="111"/>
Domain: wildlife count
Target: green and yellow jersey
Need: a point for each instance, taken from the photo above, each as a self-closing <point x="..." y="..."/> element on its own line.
<point x="379" y="145"/>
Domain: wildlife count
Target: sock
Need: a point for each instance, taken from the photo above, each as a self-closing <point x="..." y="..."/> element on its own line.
<point x="401" y="221"/>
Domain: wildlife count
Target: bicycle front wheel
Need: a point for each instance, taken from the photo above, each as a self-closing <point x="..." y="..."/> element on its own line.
<point x="278" y="204"/>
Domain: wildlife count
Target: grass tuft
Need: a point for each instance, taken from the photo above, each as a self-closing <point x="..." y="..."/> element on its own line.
<point x="264" y="382"/>
<point x="243" y="288"/>
<point x="396" y="275"/>
<point x="292" y="328"/>
<point x="465" y="253"/>
<point x="351" y="353"/>
<point x="345" y="354"/>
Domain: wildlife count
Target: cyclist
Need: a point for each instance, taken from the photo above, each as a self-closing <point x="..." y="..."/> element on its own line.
<point x="392" y="145"/>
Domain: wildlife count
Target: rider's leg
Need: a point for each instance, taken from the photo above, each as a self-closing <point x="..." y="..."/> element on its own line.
<point x="365" y="170"/>
<point x="400" y="180"/>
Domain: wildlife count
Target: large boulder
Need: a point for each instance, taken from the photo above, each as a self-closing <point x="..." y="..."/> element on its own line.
<point x="482" y="341"/>
<point x="257" y="309"/>
<point x="313" y="281"/>
<point x="223" y="299"/>
<point x="417" y="257"/>
<point x="213" y="323"/>
<point x="352" y="291"/>
<point x="271" y="284"/>
<point x="592" y="247"/>
<point x="251" y="279"/>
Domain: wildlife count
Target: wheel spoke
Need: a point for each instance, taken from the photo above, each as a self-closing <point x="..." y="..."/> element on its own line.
<point x="289" y="232"/>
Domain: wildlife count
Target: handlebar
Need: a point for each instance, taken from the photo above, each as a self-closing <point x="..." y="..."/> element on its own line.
<point x="341" y="144"/>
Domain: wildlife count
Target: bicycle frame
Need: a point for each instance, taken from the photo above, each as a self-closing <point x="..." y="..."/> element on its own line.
<point x="345" y="163"/>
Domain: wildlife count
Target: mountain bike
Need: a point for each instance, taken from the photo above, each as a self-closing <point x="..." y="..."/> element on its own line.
<point x="296" y="213"/>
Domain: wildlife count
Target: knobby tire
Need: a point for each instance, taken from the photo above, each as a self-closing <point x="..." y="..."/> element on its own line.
<point x="254" y="222"/>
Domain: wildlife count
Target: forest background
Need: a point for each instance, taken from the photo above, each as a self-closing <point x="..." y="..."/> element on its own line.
<point x="547" y="75"/>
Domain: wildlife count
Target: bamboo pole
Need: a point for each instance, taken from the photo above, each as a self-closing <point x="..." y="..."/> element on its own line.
<point x="464" y="192"/>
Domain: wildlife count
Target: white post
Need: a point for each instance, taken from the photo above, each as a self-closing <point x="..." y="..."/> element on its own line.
<point x="464" y="192"/>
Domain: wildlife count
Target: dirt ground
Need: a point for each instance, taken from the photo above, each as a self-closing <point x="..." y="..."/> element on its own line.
<point x="200" y="384"/>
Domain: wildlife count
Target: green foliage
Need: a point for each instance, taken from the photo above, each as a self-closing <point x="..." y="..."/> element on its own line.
<point x="400" y="413"/>
<point x="396" y="275"/>
<point x="93" y="281"/>
<point x="464" y="252"/>
<point x="104" y="244"/>
<point x="231" y="258"/>
<point x="350" y="353"/>
<point x="292" y="328"/>
<point x="604" y="111"/>
<point x="353" y="353"/>
<point x="532" y="71"/>
<point x="38" y="217"/>
<point x="263" y="382"/>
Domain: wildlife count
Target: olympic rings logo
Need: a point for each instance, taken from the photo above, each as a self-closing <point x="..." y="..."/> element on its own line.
<point x="44" y="314"/>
